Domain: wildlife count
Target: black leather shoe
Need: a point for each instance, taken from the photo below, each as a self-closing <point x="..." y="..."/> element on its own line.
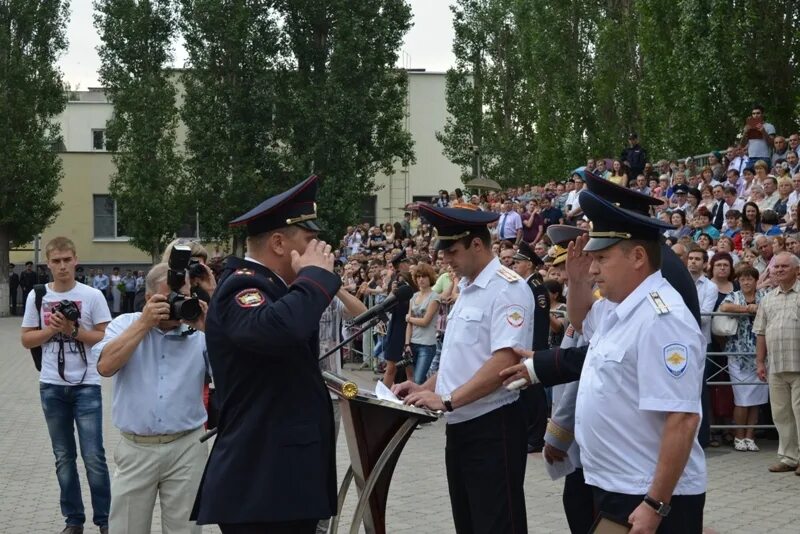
<point x="534" y="448"/>
<point x="72" y="529"/>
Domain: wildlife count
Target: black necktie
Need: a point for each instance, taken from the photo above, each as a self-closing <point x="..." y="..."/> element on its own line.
<point x="718" y="215"/>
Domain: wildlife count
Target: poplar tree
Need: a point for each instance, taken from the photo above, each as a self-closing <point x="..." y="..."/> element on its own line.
<point x="148" y="184"/>
<point x="32" y="37"/>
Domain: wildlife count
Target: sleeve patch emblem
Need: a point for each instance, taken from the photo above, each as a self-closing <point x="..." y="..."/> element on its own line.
<point x="250" y="298"/>
<point x="541" y="301"/>
<point x="515" y="315"/>
<point x="676" y="359"/>
<point x="570" y="331"/>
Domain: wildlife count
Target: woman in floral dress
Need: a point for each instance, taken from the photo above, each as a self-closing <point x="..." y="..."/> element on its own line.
<point x="741" y="368"/>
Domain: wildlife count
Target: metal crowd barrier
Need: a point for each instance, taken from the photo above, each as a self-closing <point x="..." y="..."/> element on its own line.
<point x="720" y="368"/>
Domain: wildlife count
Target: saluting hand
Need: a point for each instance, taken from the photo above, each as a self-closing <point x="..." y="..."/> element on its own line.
<point x="578" y="261"/>
<point x="317" y="254"/>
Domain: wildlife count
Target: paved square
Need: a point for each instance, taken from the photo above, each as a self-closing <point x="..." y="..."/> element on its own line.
<point x="742" y="496"/>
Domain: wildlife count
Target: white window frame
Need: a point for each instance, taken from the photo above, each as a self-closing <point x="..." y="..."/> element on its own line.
<point x="95" y="149"/>
<point x="115" y="238"/>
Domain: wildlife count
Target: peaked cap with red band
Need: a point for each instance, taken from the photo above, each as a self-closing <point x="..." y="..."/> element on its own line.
<point x="295" y="207"/>
<point x="453" y="224"/>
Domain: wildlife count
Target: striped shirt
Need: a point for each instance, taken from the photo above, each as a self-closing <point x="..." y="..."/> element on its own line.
<point x="778" y="321"/>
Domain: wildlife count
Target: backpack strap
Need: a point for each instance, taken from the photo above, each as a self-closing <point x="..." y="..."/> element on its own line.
<point x="39" y="291"/>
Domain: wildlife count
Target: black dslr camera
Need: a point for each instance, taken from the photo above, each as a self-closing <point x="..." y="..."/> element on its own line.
<point x="68" y="309"/>
<point x="180" y="306"/>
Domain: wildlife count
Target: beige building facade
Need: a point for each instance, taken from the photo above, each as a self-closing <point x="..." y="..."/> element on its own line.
<point x="88" y="214"/>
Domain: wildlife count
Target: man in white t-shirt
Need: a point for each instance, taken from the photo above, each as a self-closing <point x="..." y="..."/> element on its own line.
<point x="69" y="384"/>
<point x="759" y="136"/>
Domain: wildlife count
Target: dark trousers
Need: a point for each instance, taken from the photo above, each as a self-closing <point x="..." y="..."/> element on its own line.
<point x="485" y="460"/>
<point x="127" y="302"/>
<point x="13" y="296"/>
<point x="685" y="517"/>
<point x="534" y="400"/>
<point x="304" y="526"/>
<point x="578" y="502"/>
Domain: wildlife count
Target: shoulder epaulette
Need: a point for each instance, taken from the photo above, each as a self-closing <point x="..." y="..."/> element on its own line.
<point x="658" y="303"/>
<point x="508" y="275"/>
<point x="244" y="271"/>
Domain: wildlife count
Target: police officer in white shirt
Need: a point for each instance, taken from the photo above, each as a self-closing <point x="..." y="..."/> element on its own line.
<point x="638" y="406"/>
<point x="486" y="432"/>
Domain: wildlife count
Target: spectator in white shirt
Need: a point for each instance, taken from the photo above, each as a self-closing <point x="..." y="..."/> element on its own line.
<point x="706" y="290"/>
<point x="732" y="202"/>
<point x="509" y="226"/>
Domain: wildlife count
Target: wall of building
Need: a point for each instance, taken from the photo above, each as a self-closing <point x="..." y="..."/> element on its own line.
<point x="427" y="112"/>
<point x="87" y="171"/>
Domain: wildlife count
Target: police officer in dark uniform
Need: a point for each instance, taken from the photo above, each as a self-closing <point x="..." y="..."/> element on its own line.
<point x="559" y="366"/>
<point x="272" y="468"/>
<point x="13" y="288"/>
<point x="534" y="399"/>
<point x="27" y="279"/>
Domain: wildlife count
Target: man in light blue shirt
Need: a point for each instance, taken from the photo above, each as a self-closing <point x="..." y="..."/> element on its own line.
<point x="159" y="367"/>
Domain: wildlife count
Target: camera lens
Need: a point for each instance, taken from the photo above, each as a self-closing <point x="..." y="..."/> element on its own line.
<point x="187" y="309"/>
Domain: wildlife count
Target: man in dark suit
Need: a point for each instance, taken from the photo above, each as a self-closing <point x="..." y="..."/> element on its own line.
<point x="13" y="287"/>
<point x="534" y="399"/>
<point x="27" y="279"/>
<point x="272" y="468"/>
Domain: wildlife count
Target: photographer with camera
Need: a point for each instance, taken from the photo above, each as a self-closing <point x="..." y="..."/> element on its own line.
<point x="158" y="363"/>
<point x="62" y="325"/>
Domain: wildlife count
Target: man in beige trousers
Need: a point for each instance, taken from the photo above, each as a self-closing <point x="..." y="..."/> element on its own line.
<point x="777" y="329"/>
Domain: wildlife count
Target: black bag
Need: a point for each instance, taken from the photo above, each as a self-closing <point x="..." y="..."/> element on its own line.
<point x="36" y="352"/>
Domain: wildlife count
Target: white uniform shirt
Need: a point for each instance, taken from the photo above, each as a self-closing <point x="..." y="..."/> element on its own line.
<point x="707" y="292"/>
<point x="640" y="366"/>
<point x="491" y="313"/>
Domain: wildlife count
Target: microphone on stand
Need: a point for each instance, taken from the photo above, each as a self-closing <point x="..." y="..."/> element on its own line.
<point x="401" y="294"/>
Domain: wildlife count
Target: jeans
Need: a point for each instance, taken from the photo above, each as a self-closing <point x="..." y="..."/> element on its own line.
<point x="423" y="356"/>
<point x="64" y="408"/>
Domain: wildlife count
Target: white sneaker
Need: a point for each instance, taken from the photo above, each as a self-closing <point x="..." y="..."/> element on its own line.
<point x="751" y="445"/>
<point x="740" y="444"/>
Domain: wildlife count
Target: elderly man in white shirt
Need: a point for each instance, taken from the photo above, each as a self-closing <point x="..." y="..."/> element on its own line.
<point x="509" y="226"/>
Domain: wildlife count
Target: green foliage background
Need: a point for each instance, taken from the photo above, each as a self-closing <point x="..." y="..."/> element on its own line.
<point x="540" y="85"/>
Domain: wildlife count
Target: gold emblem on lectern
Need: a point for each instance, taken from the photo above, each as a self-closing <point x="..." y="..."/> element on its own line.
<point x="349" y="390"/>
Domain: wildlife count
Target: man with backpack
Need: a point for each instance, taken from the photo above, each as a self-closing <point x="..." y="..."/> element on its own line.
<point x="62" y="321"/>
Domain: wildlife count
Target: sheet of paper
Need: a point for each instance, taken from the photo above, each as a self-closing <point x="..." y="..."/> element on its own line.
<point x="559" y="469"/>
<point x="384" y="393"/>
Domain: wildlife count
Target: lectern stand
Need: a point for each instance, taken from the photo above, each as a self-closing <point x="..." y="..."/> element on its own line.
<point x="376" y="432"/>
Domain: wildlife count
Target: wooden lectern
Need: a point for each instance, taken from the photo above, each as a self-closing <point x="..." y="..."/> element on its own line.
<point x="376" y="432"/>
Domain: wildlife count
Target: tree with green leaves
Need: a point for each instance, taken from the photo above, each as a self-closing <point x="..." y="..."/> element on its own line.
<point x="148" y="185"/>
<point x="683" y="74"/>
<point x="279" y="90"/>
<point x="234" y="157"/>
<point x="32" y="36"/>
<point x="343" y="99"/>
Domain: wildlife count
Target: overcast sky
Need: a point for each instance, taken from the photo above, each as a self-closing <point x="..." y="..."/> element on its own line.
<point x="427" y="45"/>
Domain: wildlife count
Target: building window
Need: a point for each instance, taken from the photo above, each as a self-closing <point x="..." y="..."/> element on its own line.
<point x="190" y="228"/>
<point x="369" y="209"/>
<point x="106" y="222"/>
<point x="98" y="139"/>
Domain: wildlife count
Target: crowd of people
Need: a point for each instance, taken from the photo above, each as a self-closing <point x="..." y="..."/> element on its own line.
<point x="732" y="224"/>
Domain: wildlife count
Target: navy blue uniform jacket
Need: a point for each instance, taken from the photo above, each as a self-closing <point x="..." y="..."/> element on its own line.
<point x="274" y="456"/>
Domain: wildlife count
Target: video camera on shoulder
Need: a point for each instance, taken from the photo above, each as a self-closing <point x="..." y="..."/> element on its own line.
<point x="68" y="309"/>
<point x="181" y="306"/>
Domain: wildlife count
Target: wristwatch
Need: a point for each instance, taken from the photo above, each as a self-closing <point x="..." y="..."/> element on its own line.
<point x="660" y="507"/>
<point x="75" y="331"/>
<point x="447" y="401"/>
